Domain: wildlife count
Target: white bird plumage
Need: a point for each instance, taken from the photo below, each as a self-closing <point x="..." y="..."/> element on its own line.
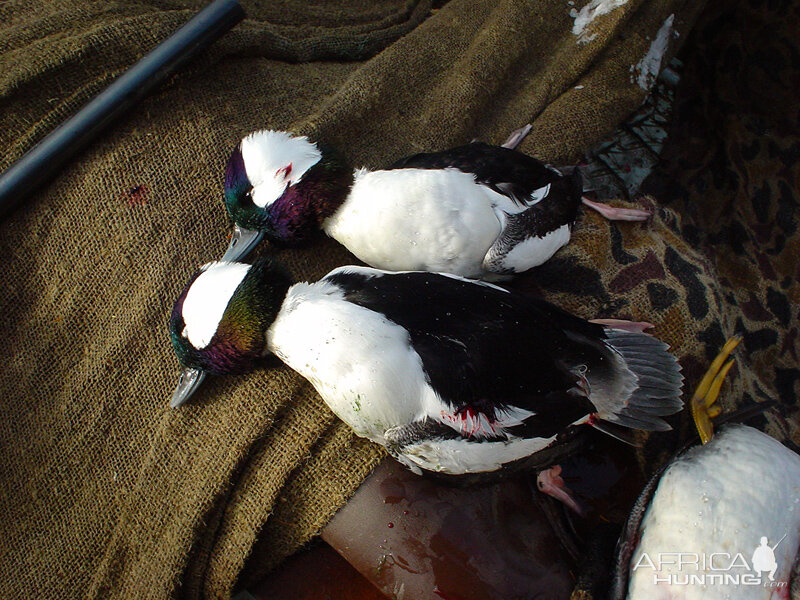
<point x="267" y="154"/>
<point x="208" y="298"/>
<point x="720" y="498"/>
<point x="454" y="220"/>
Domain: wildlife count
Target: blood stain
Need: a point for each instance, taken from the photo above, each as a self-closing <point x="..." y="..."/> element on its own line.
<point x="136" y="196"/>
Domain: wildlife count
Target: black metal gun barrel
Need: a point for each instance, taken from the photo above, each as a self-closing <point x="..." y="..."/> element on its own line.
<point x="43" y="161"/>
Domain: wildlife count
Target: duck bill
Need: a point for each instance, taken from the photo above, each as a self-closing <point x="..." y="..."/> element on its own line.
<point x="242" y="242"/>
<point x="188" y="383"/>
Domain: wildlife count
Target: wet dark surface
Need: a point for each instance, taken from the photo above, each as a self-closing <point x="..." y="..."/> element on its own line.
<point x="405" y="532"/>
<point x="317" y="573"/>
<point x="418" y="538"/>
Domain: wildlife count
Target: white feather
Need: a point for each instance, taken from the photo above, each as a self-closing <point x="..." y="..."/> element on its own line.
<point x="454" y="222"/>
<point x="589" y="13"/>
<point x="721" y="498"/>
<point x="538" y="195"/>
<point x="265" y="155"/>
<point x="536" y="250"/>
<point x="479" y="426"/>
<point x="361" y="363"/>
<point x="207" y="299"/>
<point x="371" y="272"/>
<point x="456" y="457"/>
<point x="503" y="205"/>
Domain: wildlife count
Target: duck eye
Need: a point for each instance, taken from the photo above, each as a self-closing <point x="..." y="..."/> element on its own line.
<point x="284" y="172"/>
<point x="247" y="197"/>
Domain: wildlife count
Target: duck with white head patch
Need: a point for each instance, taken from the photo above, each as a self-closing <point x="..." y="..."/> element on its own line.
<point x="478" y="210"/>
<point x="449" y="374"/>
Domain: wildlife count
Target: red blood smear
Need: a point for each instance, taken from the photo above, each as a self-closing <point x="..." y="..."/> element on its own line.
<point x="135" y="196"/>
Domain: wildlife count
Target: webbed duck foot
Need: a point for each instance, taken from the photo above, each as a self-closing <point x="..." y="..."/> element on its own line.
<point x="612" y="213"/>
<point x="516" y="137"/>
<point x="704" y="407"/>
<point x="550" y="482"/>
<point x="632" y="326"/>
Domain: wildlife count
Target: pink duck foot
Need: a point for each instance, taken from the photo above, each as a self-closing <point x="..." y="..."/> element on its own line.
<point x="632" y="326"/>
<point x="516" y="137"/>
<point x="550" y="482"/>
<point x="613" y="213"/>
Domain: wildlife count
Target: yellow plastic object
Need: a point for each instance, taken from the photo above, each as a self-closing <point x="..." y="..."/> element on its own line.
<point x="703" y="407"/>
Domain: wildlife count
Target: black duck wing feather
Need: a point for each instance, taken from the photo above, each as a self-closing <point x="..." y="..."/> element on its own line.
<point x="508" y="172"/>
<point x="559" y="207"/>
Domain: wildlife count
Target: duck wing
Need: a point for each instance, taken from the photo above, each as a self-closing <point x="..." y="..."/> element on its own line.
<point x="508" y="172"/>
<point x="531" y="236"/>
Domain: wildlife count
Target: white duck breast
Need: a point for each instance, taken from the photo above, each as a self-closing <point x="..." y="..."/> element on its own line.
<point x="418" y="219"/>
<point x="360" y="363"/>
<point x="711" y="509"/>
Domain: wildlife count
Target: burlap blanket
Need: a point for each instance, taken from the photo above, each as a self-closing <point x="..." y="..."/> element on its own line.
<point x="106" y="492"/>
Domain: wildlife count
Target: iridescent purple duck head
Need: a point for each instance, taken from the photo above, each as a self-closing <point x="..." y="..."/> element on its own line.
<point x="281" y="186"/>
<point x="219" y="321"/>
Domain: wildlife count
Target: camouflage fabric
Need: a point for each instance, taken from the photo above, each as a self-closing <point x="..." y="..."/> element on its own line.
<point x="723" y="251"/>
<point x="731" y="172"/>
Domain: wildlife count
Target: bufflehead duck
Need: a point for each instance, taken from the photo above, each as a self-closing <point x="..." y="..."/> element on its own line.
<point x="449" y="374"/>
<point x="478" y="210"/>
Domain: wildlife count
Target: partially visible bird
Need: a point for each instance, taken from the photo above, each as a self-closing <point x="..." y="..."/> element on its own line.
<point x="478" y="210"/>
<point x="711" y="503"/>
<point x="708" y="520"/>
<point x="450" y="375"/>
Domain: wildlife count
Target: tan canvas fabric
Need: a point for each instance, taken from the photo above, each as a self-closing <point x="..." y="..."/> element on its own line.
<point x="106" y="492"/>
